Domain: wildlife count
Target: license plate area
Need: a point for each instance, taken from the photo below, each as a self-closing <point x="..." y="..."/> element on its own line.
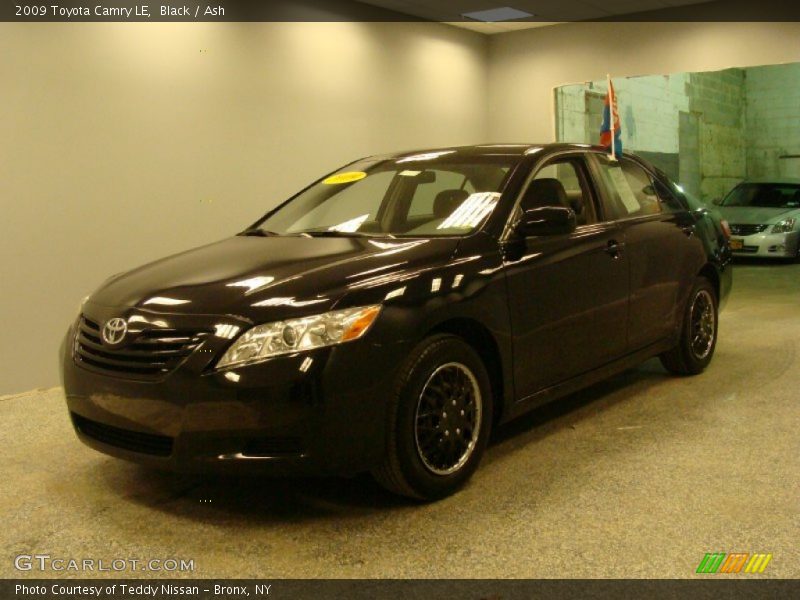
<point x="737" y="244"/>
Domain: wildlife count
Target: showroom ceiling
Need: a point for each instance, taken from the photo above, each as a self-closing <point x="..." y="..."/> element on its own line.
<point x="545" y="12"/>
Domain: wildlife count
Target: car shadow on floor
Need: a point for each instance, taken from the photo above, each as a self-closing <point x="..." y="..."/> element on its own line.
<point x="754" y="261"/>
<point x="215" y="498"/>
<point x="569" y="411"/>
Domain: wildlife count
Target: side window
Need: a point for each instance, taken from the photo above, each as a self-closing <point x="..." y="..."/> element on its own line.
<point x="423" y="199"/>
<point x="641" y="185"/>
<point x="669" y="201"/>
<point x="562" y="182"/>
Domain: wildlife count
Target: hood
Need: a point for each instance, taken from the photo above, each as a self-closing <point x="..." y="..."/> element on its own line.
<point x="756" y="215"/>
<point x="288" y="275"/>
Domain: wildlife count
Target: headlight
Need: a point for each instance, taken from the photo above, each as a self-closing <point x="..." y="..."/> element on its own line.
<point x="784" y="226"/>
<point x="296" y="335"/>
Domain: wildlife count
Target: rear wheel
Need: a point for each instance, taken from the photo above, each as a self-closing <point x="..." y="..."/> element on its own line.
<point x="440" y="414"/>
<point x="698" y="337"/>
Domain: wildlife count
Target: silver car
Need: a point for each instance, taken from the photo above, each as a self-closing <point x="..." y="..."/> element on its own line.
<point x="764" y="217"/>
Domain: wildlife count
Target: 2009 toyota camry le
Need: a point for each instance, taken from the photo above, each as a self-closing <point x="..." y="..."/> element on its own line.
<point x="388" y="316"/>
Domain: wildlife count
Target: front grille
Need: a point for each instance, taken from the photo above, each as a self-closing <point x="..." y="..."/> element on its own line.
<point x="145" y="443"/>
<point x="747" y="229"/>
<point x="152" y="353"/>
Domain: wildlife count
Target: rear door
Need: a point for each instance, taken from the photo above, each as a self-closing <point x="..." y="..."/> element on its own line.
<point x="568" y="294"/>
<point x="661" y="240"/>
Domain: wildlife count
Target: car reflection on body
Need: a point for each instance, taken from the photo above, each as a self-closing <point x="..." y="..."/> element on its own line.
<point x="764" y="218"/>
<point x="387" y="317"/>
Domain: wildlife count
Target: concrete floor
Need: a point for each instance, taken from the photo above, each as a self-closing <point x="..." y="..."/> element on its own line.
<point x="635" y="477"/>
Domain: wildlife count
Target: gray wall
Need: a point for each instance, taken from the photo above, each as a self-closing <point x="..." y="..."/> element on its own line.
<point x="121" y="143"/>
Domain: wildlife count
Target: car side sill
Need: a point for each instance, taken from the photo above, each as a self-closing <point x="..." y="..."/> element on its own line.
<point x="590" y="377"/>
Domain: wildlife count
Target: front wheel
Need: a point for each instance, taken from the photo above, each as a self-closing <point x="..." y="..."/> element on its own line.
<point x="698" y="337"/>
<point x="440" y="414"/>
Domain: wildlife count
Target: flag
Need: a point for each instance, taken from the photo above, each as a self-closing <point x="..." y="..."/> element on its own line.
<point x="611" y="129"/>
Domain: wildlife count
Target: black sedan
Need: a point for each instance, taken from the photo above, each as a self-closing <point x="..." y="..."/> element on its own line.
<point x="388" y="316"/>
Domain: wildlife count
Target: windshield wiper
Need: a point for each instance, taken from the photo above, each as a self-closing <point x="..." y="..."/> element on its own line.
<point x="336" y="233"/>
<point x="258" y="232"/>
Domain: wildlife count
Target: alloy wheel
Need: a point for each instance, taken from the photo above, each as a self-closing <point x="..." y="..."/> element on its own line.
<point x="703" y="324"/>
<point x="448" y="418"/>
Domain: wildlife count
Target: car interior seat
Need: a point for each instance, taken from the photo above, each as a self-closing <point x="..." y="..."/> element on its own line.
<point x="547" y="191"/>
<point x="447" y="201"/>
<point x="575" y="202"/>
<point x="444" y="204"/>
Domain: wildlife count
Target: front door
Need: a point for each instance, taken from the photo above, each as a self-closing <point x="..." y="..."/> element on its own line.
<point x="568" y="294"/>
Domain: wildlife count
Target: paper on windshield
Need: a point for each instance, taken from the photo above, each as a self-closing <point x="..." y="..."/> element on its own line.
<point x="472" y="211"/>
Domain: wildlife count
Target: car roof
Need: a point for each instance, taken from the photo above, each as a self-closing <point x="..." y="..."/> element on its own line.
<point x="477" y="150"/>
<point x="778" y="180"/>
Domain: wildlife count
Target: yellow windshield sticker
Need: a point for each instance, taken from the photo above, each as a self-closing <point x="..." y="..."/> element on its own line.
<point x="348" y="177"/>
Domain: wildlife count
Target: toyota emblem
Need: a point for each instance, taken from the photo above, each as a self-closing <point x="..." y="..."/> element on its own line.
<point x="114" y="331"/>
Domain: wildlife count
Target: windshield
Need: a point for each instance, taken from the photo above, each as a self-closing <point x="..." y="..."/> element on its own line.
<point x="432" y="194"/>
<point x="764" y="195"/>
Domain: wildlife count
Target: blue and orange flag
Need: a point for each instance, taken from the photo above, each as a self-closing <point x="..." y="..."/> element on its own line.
<point x="610" y="129"/>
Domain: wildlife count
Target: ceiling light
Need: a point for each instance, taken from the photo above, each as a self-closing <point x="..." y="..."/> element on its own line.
<point x="494" y="15"/>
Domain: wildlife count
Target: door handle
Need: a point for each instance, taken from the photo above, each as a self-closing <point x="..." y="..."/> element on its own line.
<point x="688" y="230"/>
<point x="613" y="248"/>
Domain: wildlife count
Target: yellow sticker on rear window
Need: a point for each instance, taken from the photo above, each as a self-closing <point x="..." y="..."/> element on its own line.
<point x="348" y="177"/>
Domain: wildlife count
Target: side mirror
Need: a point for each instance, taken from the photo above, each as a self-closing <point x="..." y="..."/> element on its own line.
<point x="546" y="220"/>
<point x="716" y="201"/>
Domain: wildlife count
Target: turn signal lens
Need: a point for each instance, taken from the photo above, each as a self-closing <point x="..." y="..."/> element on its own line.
<point x="360" y="324"/>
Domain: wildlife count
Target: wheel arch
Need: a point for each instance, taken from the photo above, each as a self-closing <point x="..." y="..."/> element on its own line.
<point x="710" y="272"/>
<point x="485" y="345"/>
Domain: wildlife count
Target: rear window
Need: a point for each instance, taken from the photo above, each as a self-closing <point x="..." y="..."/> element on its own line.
<point x="633" y="192"/>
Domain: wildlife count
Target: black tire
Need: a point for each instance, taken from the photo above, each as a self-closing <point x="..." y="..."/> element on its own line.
<point x="415" y="427"/>
<point x="695" y="349"/>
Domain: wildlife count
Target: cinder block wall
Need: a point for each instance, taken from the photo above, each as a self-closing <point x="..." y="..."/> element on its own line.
<point x="723" y="126"/>
<point x="649" y="108"/>
<point x="772" y="115"/>
<point x="718" y="100"/>
<point x="689" y="124"/>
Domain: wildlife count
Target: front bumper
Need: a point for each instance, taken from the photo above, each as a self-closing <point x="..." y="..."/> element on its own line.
<point x="766" y="245"/>
<point x="287" y="416"/>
